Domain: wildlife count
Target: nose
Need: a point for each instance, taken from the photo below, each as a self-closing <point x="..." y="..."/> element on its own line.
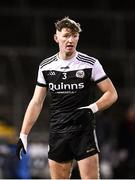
<point x="70" y="38"/>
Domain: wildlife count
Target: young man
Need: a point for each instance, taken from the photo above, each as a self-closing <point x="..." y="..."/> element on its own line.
<point x="70" y="76"/>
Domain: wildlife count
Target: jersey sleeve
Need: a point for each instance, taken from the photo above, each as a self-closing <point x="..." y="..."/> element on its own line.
<point x="40" y="78"/>
<point x="98" y="73"/>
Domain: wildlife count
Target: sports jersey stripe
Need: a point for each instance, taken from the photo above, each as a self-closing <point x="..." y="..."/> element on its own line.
<point x="45" y="60"/>
<point x="86" y="59"/>
<point x="41" y="84"/>
<point x="48" y="61"/>
<point x="101" y="79"/>
<point x="96" y="142"/>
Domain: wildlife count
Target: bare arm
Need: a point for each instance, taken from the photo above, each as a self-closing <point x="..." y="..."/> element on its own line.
<point x="33" y="109"/>
<point x="109" y="94"/>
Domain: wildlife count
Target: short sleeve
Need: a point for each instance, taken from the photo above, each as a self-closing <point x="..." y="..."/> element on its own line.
<point x="40" y="78"/>
<point x="98" y="73"/>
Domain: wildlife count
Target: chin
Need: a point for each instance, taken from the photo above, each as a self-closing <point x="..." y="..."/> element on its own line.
<point x="69" y="53"/>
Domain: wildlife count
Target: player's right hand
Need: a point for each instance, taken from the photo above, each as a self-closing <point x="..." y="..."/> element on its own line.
<point x="21" y="146"/>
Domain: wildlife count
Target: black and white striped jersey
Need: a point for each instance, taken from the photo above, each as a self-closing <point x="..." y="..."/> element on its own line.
<point x="71" y="84"/>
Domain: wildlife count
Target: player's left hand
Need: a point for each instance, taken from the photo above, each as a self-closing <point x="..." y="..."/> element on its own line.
<point x="84" y="107"/>
<point x="93" y="107"/>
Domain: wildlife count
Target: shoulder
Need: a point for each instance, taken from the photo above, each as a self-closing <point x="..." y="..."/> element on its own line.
<point x="86" y="58"/>
<point x="48" y="60"/>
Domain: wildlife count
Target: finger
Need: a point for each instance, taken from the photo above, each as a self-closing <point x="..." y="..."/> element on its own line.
<point x="20" y="155"/>
<point x="18" y="152"/>
<point x="85" y="107"/>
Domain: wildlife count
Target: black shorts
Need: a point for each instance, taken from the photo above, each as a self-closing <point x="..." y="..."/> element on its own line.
<point x="73" y="145"/>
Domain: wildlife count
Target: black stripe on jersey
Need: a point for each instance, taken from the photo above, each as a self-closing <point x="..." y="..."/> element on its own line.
<point x="48" y="60"/>
<point x="86" y="59"/>
<point x="41" y="84"/>
<point x="101" y="79"/>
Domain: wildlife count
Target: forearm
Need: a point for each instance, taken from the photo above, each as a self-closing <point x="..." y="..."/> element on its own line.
<point x="31" y="116"/>
<point x="106" y="100"/>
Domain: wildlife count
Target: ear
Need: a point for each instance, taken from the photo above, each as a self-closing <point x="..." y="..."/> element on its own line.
<point x="56" y="38"/>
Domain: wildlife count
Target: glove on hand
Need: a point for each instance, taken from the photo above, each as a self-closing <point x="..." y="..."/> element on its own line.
<point x="21" y="145"/>
<point x="93" y="107"/>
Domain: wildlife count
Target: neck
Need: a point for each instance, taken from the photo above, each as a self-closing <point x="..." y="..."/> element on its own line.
<point x="66" y="56"/>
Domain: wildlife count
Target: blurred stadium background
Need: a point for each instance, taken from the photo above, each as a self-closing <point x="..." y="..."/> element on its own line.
<point x="26" y="38"/>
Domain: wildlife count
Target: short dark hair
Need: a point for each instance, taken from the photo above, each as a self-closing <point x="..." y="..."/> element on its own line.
<point x="66" y="22"/>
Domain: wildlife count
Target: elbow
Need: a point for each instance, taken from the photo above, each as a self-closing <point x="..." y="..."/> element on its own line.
<point x="114" y="97"/>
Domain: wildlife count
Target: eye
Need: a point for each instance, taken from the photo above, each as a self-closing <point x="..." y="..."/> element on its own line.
<point x="66" y="35"/>
<point x="75" y="35"/>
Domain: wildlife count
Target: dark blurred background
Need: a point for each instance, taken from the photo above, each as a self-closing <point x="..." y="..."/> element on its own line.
<point x="26" y="38"/>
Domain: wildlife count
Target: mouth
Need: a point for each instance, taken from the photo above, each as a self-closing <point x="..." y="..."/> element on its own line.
<point x="69" y="46"/>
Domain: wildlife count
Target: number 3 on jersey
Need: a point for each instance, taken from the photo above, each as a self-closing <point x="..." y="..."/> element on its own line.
<point x="64" y="75"/>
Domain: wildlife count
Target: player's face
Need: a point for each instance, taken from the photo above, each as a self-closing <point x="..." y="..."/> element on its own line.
<point x="67" y="40"/>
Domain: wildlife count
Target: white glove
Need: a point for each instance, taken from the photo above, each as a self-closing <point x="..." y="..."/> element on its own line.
<point x="21" y="145"/>
<point x="93" y="107"/>
<point x="23" y="137"/>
